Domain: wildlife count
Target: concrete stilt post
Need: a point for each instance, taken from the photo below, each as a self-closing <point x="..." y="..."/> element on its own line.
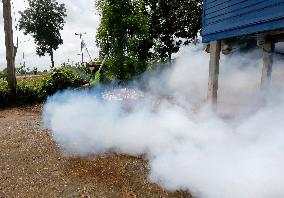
<point x="268" y="50"/>
<point x="215" y="49"/>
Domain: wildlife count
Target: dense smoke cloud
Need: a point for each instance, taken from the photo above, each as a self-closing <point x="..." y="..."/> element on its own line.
<point x="237" y="152"/>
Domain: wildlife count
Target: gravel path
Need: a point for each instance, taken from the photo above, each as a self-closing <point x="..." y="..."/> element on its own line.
<point x="31" y="165"/>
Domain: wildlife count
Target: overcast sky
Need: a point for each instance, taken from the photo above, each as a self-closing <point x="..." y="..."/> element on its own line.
<point x="81" y="17"/>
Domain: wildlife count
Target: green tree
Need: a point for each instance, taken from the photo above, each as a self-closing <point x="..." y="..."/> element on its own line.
<point x="135" y="33"/>
<point x="173" y="23"/>
<point x="124" y="36"/>
<point x="44" y="19"/>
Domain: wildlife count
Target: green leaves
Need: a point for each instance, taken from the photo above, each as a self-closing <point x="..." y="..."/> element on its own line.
<point x="43" y="20"/>
<point x="95" y="81"/>
<point x="64" y="77"/>
<point x="3" y="74"/>
<point x="124" y="35"/>
<point x="173" y="23"/>
<point x="37" y="90"/>
<point x="137" y="33"/>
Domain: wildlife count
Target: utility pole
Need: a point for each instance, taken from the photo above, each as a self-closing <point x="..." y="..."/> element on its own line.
<point x="23" y="59"/>
<point x="82" y="45"/>
<point x="11" y="50"/>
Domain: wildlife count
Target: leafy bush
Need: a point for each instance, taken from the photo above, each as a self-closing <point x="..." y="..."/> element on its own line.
<point x="65" y="77"/>
<point x="5" y="96"/>
<point x="37" y="90"/>
<point x="3" y="74"/>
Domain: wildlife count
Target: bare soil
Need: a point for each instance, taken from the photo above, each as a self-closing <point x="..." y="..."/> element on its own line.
<point x="31" y="165"/>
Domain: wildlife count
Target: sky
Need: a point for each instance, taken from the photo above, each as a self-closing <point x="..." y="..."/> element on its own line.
<point x="81" y="17"/>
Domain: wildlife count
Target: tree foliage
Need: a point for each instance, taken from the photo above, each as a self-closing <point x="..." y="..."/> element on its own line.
<point x="135" y="32"/>
<point x="3" y="74"/>
<point x="44" y="19"/>
<point x="124" y="36"/>
<point x="173" y="23"/>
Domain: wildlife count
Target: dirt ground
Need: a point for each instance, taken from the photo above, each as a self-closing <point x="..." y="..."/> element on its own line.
<point x="31" y="165"/>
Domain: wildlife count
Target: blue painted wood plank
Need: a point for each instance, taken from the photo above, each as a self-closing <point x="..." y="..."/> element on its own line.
<point x="225" y="6"/>
<point x="240" y="8"/>
<point x="273" y="25"/>
<point x="255" y="17"/>
<point x="227" y="18"/>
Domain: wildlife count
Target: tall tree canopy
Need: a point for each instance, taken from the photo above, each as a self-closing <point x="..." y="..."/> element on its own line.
<point x="134" y="32"/>
<point x="44" y="19"/>
<point x="124" y="36"/>
<point x="173" y="23"/>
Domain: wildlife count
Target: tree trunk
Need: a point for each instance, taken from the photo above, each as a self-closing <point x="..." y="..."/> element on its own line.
<point x="11" y="50"/>
<point x="52" y="59"/>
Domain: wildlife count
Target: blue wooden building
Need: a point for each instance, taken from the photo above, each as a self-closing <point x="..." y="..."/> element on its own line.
<point x="260" y="19"/>
<point x="230" y="18"/>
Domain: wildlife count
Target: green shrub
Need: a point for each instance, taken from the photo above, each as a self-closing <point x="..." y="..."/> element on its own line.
<point x="37" y="90"/>
<point x="5" y="96"/>
<point x="64" y="77"/>
<point x="3" y="74"/>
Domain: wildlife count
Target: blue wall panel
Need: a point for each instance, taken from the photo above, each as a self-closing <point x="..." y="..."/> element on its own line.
<point x="229" y="18"/>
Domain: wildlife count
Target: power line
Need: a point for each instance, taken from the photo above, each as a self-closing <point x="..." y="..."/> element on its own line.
<point x="83" y="46"/>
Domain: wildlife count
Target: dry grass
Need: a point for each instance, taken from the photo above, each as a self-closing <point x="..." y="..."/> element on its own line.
<point x="31" y="77"/>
